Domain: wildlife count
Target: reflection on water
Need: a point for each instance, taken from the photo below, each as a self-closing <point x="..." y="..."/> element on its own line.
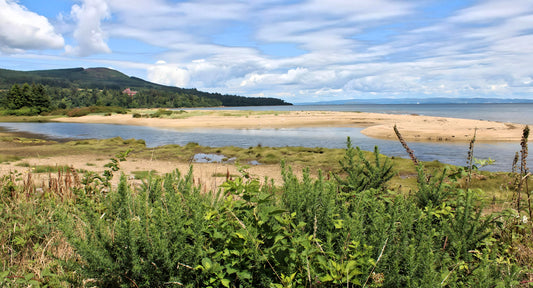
<point x="327" y="137"/>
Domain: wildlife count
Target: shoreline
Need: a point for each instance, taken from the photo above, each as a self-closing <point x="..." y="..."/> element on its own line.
<point x="376" y="125"/>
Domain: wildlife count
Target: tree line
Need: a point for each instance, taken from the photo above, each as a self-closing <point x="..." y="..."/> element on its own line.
<point x="26" y="99"/>
<point x="35" y="98"/>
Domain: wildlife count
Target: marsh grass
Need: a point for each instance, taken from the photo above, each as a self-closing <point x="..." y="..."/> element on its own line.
<point x="47" y="168"/>
<point x="183" y="114"/>
<point x="38" y="118"/>
<point x="33" y="251"/>
<point x="316" y="158"/>
<point x="144" y="174"/>
<point x="225" y="175"/>
<point x="6" y="158"/>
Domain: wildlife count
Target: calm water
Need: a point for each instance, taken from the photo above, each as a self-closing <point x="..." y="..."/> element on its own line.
<point x="516" y="113"/>
<point x="451" y="153"/>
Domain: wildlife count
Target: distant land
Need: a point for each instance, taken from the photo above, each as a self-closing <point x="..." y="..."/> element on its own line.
<point x="109" y="79"/>
<point x="438" y="100"/>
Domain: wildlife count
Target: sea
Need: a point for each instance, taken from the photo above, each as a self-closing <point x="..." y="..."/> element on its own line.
<point x="327" y="137"/>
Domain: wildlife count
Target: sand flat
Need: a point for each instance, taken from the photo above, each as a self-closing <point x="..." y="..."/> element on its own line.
<point x="377" y="125"/>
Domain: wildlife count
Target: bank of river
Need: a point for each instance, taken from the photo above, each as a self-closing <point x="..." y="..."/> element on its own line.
<point x="327" y="137"/>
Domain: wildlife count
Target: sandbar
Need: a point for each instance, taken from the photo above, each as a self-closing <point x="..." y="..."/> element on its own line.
<point x="377" y="125"/>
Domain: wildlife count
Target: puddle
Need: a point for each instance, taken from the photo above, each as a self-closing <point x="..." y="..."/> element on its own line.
<point x="217" y="158"/>
<point x="212" y="158"/>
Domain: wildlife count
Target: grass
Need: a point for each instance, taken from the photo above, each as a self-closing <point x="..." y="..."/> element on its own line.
<point x="47" y="168"/>
<point x="6" y="158"/>
<point x="38" y="118"/>
<point x="225" y="175"/>
<point x="143" y="174"/>
<point x="183" y="114"/>
<point x="495" y="185"/>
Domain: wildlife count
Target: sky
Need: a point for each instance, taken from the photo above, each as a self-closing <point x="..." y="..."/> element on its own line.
<point x="297" y="50"/>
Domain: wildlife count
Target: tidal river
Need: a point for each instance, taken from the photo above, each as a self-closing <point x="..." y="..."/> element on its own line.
<point x="451" y="153"/>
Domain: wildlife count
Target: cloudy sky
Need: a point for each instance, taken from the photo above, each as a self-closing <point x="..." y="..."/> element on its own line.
<point x="297" y="50"/>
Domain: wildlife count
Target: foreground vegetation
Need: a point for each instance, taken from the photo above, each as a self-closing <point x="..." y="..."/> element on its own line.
<point x="345" y="228"/>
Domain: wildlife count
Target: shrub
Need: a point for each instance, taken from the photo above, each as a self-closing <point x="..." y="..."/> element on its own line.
<point x="161" y="113"/>
<point x="78" y="112"/>
<point x="305" y="233"/>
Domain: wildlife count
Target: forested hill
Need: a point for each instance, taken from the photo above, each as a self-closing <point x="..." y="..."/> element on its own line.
<point x="112" y="83"/>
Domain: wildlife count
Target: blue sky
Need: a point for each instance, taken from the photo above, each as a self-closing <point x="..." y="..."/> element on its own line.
<point x="299" y="50"/>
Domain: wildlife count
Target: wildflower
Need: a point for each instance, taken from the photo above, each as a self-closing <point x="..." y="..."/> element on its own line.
<point x="524" y="219"/>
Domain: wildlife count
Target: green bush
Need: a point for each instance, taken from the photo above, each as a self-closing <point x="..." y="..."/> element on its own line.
<point x="78" y="112"/>
<point x="161" y="113"/>
<point x="308" y="232"/>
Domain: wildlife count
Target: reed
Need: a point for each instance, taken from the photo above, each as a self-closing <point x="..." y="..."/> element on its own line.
<point x="405" y="146"/>
<point x="470" y="159"/>
<point x="524" y="172"/>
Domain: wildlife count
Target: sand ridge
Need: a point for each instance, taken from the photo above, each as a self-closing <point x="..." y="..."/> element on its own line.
<point x="377" y="125"/>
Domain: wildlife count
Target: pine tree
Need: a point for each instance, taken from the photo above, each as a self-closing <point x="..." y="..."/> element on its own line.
<point x="13" y="97"/>
<point x="40" y="98"/>
<point x="26" y="96"/>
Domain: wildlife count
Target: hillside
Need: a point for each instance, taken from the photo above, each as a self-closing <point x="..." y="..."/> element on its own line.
<point x="108" y="79"/>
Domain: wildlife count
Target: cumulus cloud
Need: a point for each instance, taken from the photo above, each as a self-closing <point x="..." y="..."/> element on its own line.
<point x="21" y="30"/>
<point x="90" y="37"/>
<point x="168" y="74"/>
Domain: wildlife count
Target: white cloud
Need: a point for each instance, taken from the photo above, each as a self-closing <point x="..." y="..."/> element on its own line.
<point x="313" y="49"/>
<point x="21" y="30"/>
<point x="454" y="56"/>
<point x="488" y="11"/>
<point x="168" y="74"/>
<point x="90" y="37"/>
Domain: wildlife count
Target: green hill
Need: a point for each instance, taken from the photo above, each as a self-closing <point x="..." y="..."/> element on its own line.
<point x="150" y="94"/>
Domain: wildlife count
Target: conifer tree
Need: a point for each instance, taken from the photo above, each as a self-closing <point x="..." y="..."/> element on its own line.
<point x="13" y="97"/>
<point x="40" y="98"/>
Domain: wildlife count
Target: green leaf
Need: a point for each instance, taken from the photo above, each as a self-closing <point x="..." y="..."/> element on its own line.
<point x="231" y="270"/>
<point x="207" y="263"/>
<point x="326" y="278"/>
<point x="244" y="275"/>
<point x="29" y="276"/>
<point x="240" y="235"/>
<point x="225" y="282"/>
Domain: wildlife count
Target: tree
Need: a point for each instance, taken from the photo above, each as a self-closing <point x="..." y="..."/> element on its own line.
<point x="14" y="97"/>
<point x="40" y="98"/>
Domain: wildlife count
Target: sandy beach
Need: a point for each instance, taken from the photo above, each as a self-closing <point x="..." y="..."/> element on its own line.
<point x="377" y="125"/>
<point x="210" y="176"/>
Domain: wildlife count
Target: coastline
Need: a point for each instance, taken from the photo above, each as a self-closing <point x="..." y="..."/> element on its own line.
<point x="376" y="125"/>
